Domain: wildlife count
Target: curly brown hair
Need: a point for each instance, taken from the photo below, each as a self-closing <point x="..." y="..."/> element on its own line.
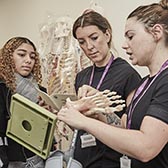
<point x="7" y="65"/>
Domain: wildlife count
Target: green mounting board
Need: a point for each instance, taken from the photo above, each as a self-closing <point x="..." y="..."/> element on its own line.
<point x="31" y="125"/>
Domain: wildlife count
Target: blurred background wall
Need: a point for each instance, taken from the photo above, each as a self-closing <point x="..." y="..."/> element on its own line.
<point x="24" y="17"/>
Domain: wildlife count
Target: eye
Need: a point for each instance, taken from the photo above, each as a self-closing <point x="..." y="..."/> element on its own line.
<point x="94" y="38"/>
<point x="130" y="37"/>
<point x="32" y="56"/>
<point x="81" y="42"/>
<point x="21" y="54"/>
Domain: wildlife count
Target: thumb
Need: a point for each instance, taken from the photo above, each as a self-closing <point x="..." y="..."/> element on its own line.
<point x="68" y="103"/>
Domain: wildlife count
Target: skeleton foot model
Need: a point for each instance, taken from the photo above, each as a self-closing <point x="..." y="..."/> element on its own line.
<point x="105" y="102"/>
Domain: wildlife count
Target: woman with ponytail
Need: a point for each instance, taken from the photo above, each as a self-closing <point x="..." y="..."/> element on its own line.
<point x="143" y="140"/>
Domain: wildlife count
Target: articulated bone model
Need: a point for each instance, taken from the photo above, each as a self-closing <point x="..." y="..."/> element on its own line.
<point x="105" y="102"/>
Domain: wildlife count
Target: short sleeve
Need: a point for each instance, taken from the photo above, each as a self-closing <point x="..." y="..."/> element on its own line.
<point x="159" y="104"/>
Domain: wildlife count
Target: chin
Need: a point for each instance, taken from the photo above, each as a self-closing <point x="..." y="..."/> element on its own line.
<point x="24" y="74"/>
<point x="134" y="62"/>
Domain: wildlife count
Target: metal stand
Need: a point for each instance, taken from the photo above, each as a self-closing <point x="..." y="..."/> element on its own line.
<point x="56" y="159"/>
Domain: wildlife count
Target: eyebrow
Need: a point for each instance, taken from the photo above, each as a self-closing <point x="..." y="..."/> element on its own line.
<point x="93" y="34"/>
<point x="21" y="50"/>
<point x="88" y="36"/>
<point x="126" y="33"/>
<point x="32" y="52"/>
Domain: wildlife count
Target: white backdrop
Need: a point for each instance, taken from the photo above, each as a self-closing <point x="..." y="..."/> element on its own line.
<point x="23" y="17"/>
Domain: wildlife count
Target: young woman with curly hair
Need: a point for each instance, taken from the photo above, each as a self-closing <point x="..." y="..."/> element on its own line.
<point x="19" y="73"/>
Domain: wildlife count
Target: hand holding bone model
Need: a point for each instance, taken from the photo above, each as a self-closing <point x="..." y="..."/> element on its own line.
<point x="105" y="102"/>
<point x="92" y="103"/>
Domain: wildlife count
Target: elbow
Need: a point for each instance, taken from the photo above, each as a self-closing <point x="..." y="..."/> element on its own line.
<point x="145" y="159"/>
<point x="146" y="156"/>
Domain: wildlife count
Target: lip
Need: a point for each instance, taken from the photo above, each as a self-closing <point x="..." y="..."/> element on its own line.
<point x="128" y="53"/>
<point x="26" y="68"/>
<point x="130" y="58"/>
<point x="93" y="54"/>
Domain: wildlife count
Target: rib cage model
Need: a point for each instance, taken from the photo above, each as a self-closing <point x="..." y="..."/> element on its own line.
<point x="61" y="56"/>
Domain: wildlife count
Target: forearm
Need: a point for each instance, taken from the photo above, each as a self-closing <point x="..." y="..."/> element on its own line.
<point x="129" y="142"/>
<point x="143" y="144"/>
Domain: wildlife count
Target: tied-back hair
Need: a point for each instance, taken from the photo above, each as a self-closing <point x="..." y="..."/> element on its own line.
<point x="155" y="13"/>
<point x="7" y="65"/>
<point x="92" y="18"/>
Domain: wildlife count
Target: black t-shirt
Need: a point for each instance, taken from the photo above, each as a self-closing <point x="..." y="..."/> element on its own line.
<point x="121" y="78"/>
<point x="154" y="103"/>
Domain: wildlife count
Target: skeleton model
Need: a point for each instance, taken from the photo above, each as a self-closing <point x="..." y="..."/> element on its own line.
<point x="101" y="102"/>
<point x="105" y="103"/>
<point x="61" y="56"/>
<point x="61" y="59"/>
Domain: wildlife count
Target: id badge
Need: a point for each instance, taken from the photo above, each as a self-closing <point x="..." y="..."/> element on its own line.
<point x="125" y="162"/>
<point x="87" y="140"/>
<point x="1" y="163"/>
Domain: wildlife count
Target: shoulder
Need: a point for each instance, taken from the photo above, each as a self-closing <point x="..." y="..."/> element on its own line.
<point x="122" y="63"/>
<point x="2" y="84"/>
<point x="164" y="73"/>
<point x="162" y="79"/>
<point x="3" y="89"/>
<point x="85" y="71"/>
<point x="124" y="67"/>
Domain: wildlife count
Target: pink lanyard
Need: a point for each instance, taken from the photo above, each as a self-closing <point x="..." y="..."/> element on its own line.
<point x="138" y="92"/>
<point x="104" y="73"/>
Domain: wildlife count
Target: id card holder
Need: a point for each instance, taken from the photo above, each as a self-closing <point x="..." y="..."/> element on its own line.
<point x="87" y="140"/>
<point x="1" y="163"/>
<point x="125" y="162"/>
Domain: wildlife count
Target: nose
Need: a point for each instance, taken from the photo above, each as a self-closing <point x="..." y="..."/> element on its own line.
<point x="125" y="45"/>
<point x="28" y="59"/>
<point x="89" y="45"/>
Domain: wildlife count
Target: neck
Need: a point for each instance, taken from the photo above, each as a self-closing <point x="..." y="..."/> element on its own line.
<point x="158" y="58"/>
<point x="105" y="61"/>
<point x="155" y="66"/>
